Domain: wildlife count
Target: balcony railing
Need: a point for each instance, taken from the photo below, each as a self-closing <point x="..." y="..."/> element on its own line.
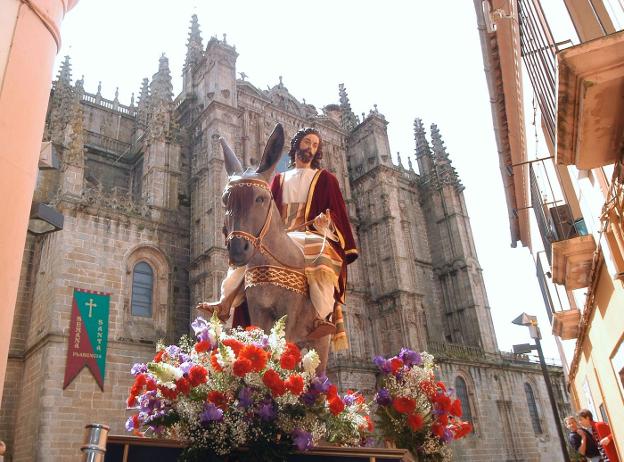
<point x="553" y="214"/>
<point x="538" y="53"/>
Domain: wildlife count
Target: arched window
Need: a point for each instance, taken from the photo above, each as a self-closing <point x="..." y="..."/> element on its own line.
<point x="462" y="393"/>
<point x="537" y="427"/>
<point x="142" y="290"/>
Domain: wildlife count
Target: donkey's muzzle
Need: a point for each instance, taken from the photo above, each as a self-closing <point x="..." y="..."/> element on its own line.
<point x="240" y="251"/>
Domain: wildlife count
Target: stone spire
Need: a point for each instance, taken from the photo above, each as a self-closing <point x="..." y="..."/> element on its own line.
<point x="143" y="104"/>
<point x="161" y="124"/>
<point x="446" y="171"/>
<point x="194" y="46"/>
<point x="348" y="119"/>
<point x="161" y="89"/>
<point x="64" y="75"/>
<point x="422" y="145"/>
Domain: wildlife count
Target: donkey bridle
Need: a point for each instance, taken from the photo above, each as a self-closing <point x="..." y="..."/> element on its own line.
<point x="287" y="276"/>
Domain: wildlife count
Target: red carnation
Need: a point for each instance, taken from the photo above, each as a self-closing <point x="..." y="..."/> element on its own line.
<point x="396" y="364"/>
<point x="241" y="366"/>
<point x="158" y="356"/>
<point x="257" y="356"/>
<point x="234" y="344"/>
<point x="369" y="423"/>
<point x="444" y="402"/>
<point x="288" y="362"/>
<point x="202" y="347"/>
<point x="443" y="419"/>
<point x="218" y="399"/>
<point x="183" y="385"/>
<point x="273" y="381"/>
<point x="437" y="429"/>
<point x="415" y="422"/>
<point x="462" y="430"/>
<point x="404" y="405"/>
<point x="250" y="328"/>
<point x="293" y="350"/>
<point x="441" y="385"/>
<point x="428" y="388"/>
<point x="213" y="361"/>
<point x="456" y="408"/>
<point x="294" y="384"/>
<point x="136" y="389"/>
<point x="131" y="401"/>
<point x="168" y="392"/>
<point x="140" y="380"/>
<point x="336" y="405"/>
<point x="197" y="374"/>
<point x="151" y="385"/>
<point x="332" y="392"/>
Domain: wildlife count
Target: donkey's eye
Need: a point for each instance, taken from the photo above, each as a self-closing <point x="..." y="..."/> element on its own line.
<point x="259" y="200"/>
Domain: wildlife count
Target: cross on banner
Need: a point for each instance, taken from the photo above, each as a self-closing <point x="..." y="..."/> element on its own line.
<point x="91" y="305"/>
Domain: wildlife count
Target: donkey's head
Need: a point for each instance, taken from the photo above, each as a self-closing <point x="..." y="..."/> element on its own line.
<point x="248" y="200"/>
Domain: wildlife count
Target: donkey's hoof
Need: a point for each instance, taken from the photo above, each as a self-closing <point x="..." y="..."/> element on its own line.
<point x="321" y="329"/>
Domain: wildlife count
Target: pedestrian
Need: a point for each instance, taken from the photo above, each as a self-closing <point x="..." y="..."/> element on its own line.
<point x="601" y="433"/>
<point x="581" y="440"/>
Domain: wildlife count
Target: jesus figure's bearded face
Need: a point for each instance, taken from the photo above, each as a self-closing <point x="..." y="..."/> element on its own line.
<point x="308" y="146"/>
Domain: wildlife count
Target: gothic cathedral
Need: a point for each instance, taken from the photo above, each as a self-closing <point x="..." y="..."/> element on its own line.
<point x="140" y="188"/>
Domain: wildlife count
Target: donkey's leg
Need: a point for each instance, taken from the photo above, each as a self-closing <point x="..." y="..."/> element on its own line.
<point x="321" y="346"/>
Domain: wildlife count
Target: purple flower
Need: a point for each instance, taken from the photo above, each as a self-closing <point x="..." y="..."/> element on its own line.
<point x="447" y="435"/>
<point x="302" y="439"/>
<point x="410" y="358"/>
<point x="149" y="402"/>
<point x="129" y="424"/>
<point x="173" y="351"/>
<point x="184" y="358"/>
<point x="211" y="413"/>
<point x="309" y="397"/>
<point x="266" y="412"/>
<point x="138" y="368"/>
<point x="320" y="384"/>
<point x="383" y="365"/>
<point x="200" y="327"/>
<point x="244" y="397"/>
<point x="369" y="442"/>
<point x="185" y="367"/>
<point x="348" y="399"/>
<point x="383" y="397"/>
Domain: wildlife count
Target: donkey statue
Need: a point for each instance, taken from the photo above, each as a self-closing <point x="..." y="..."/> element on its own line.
<point x="275" y="281"/>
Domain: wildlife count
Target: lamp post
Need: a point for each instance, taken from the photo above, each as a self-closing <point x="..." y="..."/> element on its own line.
<point x="530" y="321"/>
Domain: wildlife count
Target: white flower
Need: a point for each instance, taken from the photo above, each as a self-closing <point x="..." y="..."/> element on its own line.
<point x="277" y="342"/>
<point x="165" y="372"/>
<point x="311" y="361"/>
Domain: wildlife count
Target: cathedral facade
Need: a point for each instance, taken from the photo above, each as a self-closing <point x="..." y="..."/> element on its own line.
<point x="140" y="188"/>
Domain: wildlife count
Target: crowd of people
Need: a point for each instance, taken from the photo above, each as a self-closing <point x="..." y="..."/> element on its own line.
<point x="592" y="440"/>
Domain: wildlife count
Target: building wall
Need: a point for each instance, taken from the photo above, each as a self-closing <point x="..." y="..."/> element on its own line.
<point x="597" y="382"/>
<point x="92" y="252"/>
<point x="503" y="427"/>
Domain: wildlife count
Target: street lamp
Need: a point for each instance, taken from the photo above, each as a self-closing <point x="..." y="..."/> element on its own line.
<point x="44" y="219"/>
<point x="530" y="321"/>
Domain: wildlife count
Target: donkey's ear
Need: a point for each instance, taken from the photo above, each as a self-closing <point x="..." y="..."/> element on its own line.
<point x="232" y="164"/>
<point x="272" y="151"/>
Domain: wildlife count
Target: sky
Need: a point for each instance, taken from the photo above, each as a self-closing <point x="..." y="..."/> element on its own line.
<point x="419" y="58"/>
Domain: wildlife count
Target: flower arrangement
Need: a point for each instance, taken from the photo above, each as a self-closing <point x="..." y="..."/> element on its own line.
<point x="241" y="388"/>
<point x="415" y="411"/>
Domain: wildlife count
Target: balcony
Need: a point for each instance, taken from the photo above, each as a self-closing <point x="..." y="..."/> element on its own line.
<point x="565" y="324"/>
<point x="590" y="118"/>
<point x="572" y="261"/>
